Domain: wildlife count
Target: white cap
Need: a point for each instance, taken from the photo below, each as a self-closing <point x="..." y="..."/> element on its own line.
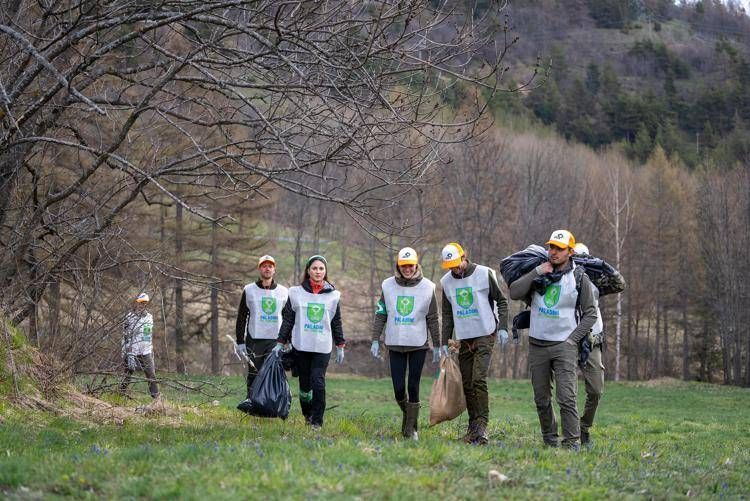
<point x="142" y="298"/>
<point x="266" y="258"/>
<point x="581" y="249"/>
<point x="407" y="255"/>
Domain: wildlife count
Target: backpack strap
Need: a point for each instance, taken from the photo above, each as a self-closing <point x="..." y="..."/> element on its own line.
<point x="578" y="273"/>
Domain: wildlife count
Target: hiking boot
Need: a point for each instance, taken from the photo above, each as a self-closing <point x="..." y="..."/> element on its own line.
<point x="412" y="416"/>
<point x="550" y="443"/>
<point x="572" y="446"/>
<point x="402" y="405"/>
<point x="480" y="435"/>
<point x="471" y="431"/>
<point x="585" y="438"/>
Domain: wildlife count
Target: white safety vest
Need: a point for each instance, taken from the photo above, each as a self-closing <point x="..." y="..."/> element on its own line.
<point x="407" y="309"/>
<point x="553" y="315"/>
<point x="312" y="319"/>
<point x="264" y="319"/>
<point x="469" y="298"/>
<point x="599" y="324"/>
<point x="138" y="338"/>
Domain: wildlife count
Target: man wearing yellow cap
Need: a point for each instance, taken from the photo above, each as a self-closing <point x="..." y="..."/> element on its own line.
<point x="259" y="318"/>
<point x="563" y="311"/>
<point x="137" y="344"/>
<point x="470" y="296"/>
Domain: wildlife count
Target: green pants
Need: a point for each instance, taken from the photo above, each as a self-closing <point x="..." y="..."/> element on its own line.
<point x="593" y="375"/>
<point x="474" y="362"/>
<point x="559" y="360"/>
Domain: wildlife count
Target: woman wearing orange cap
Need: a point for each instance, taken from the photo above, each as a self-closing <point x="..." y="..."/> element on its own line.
<point x="407" y="310"/>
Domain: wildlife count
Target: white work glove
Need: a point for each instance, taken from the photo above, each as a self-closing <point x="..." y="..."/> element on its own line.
<point x="596" y="339"/>
<point x="444" y="352"/>
<point x="435" y="355"/>
<point x="375" y="349"/>
<point x="241" y="350"/>
<point x="502" y="336"/>
<point x="339" y="354"/>
<point x="277" y="349"/>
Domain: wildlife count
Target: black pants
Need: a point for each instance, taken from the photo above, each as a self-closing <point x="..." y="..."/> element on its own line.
<point x="257" y="352"/>
<point x="400" y="362"/>
<point x="312" y="377"/>
<point x="145" y="363"/>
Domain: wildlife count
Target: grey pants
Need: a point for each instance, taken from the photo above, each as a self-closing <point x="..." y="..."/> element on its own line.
<point x="559" y="360"/>
<point x="593" y="375"/>
<point x="145" y="363"/>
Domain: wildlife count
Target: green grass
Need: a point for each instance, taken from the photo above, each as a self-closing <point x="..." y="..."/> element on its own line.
<point x="655" y="441"/>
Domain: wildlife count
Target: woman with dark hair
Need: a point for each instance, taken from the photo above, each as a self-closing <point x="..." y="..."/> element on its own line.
<point x="311" y="320"/>
<point x="407" y="310"/>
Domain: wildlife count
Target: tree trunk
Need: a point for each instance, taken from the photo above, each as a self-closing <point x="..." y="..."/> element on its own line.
<point x="685" y="343"/>
<point x="666" y="355"/>
<point x="215" y="366"/>
<point x="179" y="307"/>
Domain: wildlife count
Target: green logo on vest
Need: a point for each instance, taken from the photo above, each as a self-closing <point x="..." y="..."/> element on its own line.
<point x="404" y="305"/>
<point x="268" y="304"/>
<point x="315" y="312"/>
<point x="464" y="297"/>
<point x="552" y="295"/>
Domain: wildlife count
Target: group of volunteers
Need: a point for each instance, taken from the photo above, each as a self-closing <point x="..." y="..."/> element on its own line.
<point x="564" y="311"/>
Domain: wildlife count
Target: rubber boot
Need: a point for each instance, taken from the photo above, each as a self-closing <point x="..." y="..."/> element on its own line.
<point x="305" y="403"/>
<point x="412" y="416"/>
<point x="402" y="404"/>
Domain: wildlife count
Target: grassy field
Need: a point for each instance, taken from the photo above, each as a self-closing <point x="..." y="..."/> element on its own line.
<point x="653" y="440"/>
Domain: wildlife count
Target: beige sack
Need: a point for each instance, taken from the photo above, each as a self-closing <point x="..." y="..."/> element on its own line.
<point x="447" y="400"/>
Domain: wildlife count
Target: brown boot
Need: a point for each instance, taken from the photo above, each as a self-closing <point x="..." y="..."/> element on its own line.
<point x="412" y="416"/>
<point x="402" y="405"/>
<point x="480" y="434"/>
<point x="470" y="433"/>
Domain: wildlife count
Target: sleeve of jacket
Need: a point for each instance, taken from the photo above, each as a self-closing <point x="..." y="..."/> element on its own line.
<point x="447" y="319"/>
<point x="587" y="303"/>
<point x="521" y="288"/>
<point x="287" y="323"/>
<point x="500" y="302"/>
<point x="381" y="317"/>
<point x="337" y="328"/>
<point x="619" y="282"/>
<point x="242" y="313"/>
<point x="433" y="324"/>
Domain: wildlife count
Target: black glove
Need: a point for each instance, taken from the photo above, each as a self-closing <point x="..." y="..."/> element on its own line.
<point x="584" y="350"/>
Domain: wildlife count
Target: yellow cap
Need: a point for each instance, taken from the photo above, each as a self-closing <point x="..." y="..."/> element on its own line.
<point x="452" y="254"/>
<point x="266" y="258"/>
<point x="142" y="298"/>
<point x="407" y="255"/>
<point x="562" y="239"/>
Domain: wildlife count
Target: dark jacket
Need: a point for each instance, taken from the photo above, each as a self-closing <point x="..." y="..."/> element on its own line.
<point x="240" y="328"/>
<point x="381" y="315"/>
<point x="288" y="318"/>
<point x="496" y="299"/>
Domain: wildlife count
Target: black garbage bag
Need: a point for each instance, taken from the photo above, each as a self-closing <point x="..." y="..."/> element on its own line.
<point x="602" y="274"/>
<point x="270" y="393"/>
<point x="584" y="350"/>
<point x="517" y="265"/>
<point x="521" y="321"/>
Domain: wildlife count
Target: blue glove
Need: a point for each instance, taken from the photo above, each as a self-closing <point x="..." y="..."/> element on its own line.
<point x="339" y="354"/>
<point x="435" y="355"/>
<point x="277" y="349"/>
<point x="444" y="352"/>
<point x="502" y="336"/>
<point x="375" y="349"/>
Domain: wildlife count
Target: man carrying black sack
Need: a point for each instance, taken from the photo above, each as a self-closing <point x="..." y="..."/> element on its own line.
<point x="562" y="313"/>
<point x="259" y="318"/>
